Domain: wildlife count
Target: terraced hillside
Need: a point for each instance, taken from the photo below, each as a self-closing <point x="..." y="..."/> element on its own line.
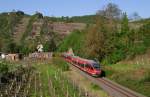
<point x="21" y="33"/>
<point x="20" y="29"/>
<point x="67" y="28"/>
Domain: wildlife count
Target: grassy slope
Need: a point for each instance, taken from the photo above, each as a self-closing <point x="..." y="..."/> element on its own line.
<point x="133" y="73"/>
<point x="62" y="82"/>
<point x="92" y="89"/>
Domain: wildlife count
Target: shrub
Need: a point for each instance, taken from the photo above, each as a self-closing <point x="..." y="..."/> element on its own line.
<point x="3" y="67"/>
<point x="95" y="87"/>
<point x="74" y="41"/>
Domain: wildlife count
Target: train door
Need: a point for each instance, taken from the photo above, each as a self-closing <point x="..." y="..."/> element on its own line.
<point x="91" y="69"/>
<point x="82" y="66"/>
<point x="88" y="68"/>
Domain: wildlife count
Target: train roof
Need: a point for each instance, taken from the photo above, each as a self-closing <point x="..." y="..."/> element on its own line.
<point x="81" y="59"/>
<point x="85" y="60"/>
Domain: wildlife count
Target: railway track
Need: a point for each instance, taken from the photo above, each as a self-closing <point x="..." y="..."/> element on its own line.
<point x="116" y="90"/>
<point x="112" y="88"/>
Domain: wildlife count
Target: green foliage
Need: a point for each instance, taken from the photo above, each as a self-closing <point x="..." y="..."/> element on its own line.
<point x="133" y="76"/>
<point x="60" y="85"/>
<point x="145" y="32"/>
<point x="75" y="41"/>
<point x="3" y="67"/>
<point x="88" y="19"/>
<point x="8" y="21"/>
<point x="124" y="24"/>
<point x="52" y="38"/>
<point x="128" y="43"/>
<point x="29" y="27"/>
<point x="114" y="57"/>
<point x="95" y="87"/>
<point x="59" y="62"/>
<point x="49" y="46"/>
<point x="97" y="42"/>
<point x="25" y="49"/>
<point x="146" y="78"/>
<point x="102" y="42"/>
<point x="7" y="67"/>
<point x="38" y="15"/>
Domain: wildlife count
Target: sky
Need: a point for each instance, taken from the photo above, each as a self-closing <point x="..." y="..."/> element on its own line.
<point x="74" y="7"/>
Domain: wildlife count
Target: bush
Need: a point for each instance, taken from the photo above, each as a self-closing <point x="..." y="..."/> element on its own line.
<point x="3" y="67"/>
<point x="75" y="41"/>
<point x="114" y="57"/>
<point x="146" y="77"/>
<point x="95" y="87"/>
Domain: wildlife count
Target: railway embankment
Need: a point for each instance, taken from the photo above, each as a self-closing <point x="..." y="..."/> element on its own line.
<point x="133" y="73"/>
<point x="91" y="89"/>
<point x="112" y="88"/>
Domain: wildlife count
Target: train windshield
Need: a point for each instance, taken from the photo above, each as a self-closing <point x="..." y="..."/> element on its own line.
<point x="96" y="66"/>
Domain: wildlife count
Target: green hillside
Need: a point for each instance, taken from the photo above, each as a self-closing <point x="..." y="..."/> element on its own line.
<point x="8" y="21"/>
<point x="115" y="46"/>
<point x="121" y="46"/>
<point x="124" y="52"/>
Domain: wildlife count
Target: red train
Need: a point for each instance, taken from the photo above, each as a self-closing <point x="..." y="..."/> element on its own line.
<point x="89" y="66"/>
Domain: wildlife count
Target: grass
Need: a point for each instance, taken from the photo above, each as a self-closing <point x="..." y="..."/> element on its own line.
<point x="58" y="76"/>
<point x="95" y="87"/>
<point x="133" y="76"/>
<point x="51" y="74"/>
<point x="60" y="63"/>
<point x="85" y="84"/>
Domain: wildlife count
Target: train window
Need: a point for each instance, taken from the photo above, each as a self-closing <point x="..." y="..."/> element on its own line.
<point x="82" y="65"/>
<point x="88" y="66"/>
<point x="96" y="65"/>
<point x="76" y="62"/>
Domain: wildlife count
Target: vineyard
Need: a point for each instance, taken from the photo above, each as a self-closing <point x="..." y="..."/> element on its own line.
<point x="42" y="79"/>
<point x="15" y="80"/>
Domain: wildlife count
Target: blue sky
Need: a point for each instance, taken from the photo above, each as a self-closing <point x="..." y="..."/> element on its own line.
<point x="74" y="7"/>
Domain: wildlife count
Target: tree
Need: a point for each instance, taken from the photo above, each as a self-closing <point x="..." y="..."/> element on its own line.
<point x="1" y="44"/>
<point x="38" y="14"/>
<point x="135" y="16"/>
<point x="49" y="46"/>
<point x="144" y="33"/>
<point x="97" y="40"/>
<point x="110" y="11"/>
<point x="20" y="12"/>
<point x="112" y="14"/>
<point x="124" y="24"/>
<point x="11" y="47"/>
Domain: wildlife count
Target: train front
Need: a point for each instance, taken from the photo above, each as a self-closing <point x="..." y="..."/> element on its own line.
<point x="97" y="70"/>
